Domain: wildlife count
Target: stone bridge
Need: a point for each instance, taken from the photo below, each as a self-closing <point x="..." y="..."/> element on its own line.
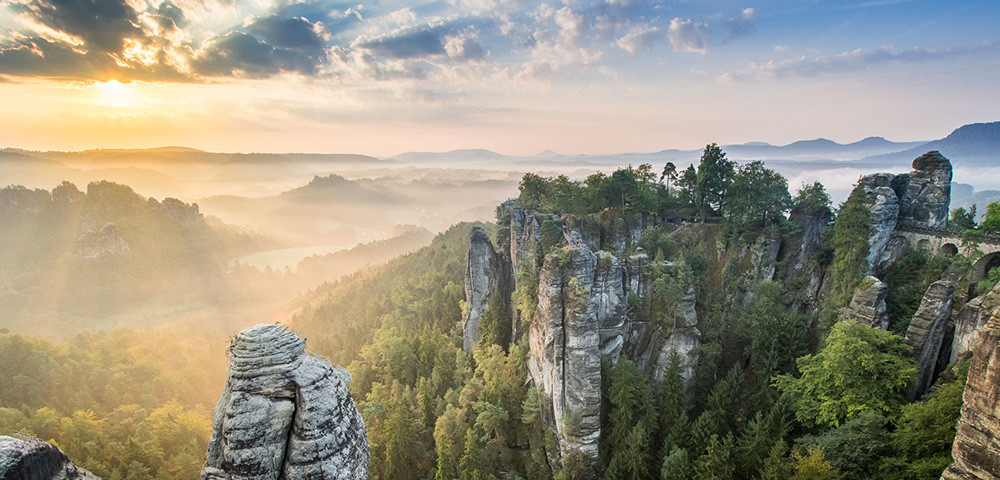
<point x="940" y="240"/>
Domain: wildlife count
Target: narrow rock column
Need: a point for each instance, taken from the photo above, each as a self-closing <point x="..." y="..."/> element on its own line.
<point x="926" y="332"/>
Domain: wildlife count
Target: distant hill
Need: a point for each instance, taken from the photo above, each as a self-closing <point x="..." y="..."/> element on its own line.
<point x="977" y="144"/>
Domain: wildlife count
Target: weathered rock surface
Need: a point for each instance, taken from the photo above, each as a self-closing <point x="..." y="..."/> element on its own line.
<point x="608" y="302"/>
<point x="811" y="223"/>
<point x="868" y="305"/>
<point x="970" y="321"/>
<point x="920" y="198"/>
<point x="927" y="330"/>
<point x="565" y="358"/>
<point x="977" y="444"/>
<point x="884" y="206"/>
<point x="925" y="193"/>
<point x="28" y="458"/>
<point x="101" y="243"/>
<point x="685" y="341"/>
<point x="284" y="414"/>
<point x="487" y="277"/>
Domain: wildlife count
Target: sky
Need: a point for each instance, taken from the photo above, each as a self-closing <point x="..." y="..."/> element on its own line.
<point x="513" y="76"/>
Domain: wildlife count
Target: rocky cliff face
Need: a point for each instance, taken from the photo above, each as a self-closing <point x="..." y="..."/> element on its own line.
<point x="977" y="445"/>
<point x="868" y="305"/>
<point x="919" y="198"/>
<point x="971" y="320"/>
<point x="487" y="278"/>
<point x="284" y="414"/>
<point x="884" y="206"/>
<point x="565" y="344"/>
<point x="927" y="331"/>
<point x="28" y="458"/>
<point x="925" y="193"/>
<point x="584" y="318"/>
<point x="101" y="243"/>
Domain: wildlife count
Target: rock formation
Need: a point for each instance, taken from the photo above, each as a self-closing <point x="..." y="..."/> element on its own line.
<point x="565" y="344"/>
<point x="884" y="206"/>
<point x="926" y="332"/>
<point x="176" y="210"/>
<point x="102" y="243"/>
<point x="284" y="413"/>
<point x="28" y="458"/>
<point x="916" y="199"/>
<point x="868" y="304"/>
<point x="811" y="223"/>
<point x="925" y="193"/>
<point x="970" y="321"/>
<point x="976" y="450"/>
<point x="487" y="278"/>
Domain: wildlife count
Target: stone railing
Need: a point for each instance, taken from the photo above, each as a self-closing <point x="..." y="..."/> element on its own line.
<point x="992" y="239"/>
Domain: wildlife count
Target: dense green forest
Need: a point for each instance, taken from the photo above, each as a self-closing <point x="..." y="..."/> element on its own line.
<point x="781" y="389"/>
<point x="122" y="404"/>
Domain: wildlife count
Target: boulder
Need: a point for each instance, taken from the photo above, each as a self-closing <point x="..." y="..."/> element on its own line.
<point x="927" y="331"/>
<point x="23" y="457"/>
<point x="868" y="304"/>
<point x="976" y="450"/>
<point x="284" y="413"/>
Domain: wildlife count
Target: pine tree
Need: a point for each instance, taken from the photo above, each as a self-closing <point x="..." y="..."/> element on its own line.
<point x="775" y="466"/>
<point x="676" y="466"/>
<point x="716" y="463"/>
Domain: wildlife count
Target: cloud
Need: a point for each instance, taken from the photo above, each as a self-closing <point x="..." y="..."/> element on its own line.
<point x="641" y="38"/>
<point x="101" y="25"/>
<point x="38" y="57"/>
<point x="240" y="54"/>
<point x="742" y="26"/>
<point x="409" y="43"/>
<point x="463" y="47"/>
<point x="850" y="61"/>
<point x="687" y="35"/>
<point x="289" y="32"/>
<point x="170" y="17"/>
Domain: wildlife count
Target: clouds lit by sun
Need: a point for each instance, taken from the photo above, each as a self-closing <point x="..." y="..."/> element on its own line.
<point x="519" y="76"/>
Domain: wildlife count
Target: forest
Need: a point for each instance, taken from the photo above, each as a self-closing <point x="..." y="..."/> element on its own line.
<point x="782" y="389"/>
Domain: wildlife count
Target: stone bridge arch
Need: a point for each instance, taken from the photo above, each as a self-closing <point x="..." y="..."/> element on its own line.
<point x="950" y="242"/>
<point x="984" y="265"/>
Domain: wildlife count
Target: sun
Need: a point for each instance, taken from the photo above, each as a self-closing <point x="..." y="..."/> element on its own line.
<point x="114" y="94"/>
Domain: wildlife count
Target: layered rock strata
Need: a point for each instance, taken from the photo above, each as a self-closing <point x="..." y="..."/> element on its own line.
<point x="976" y="450"/>
<point x="927" y="331"/>
<point x="565" y="344"/>
<point x="284" y="414"/>
<point x="28" y="458"/>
